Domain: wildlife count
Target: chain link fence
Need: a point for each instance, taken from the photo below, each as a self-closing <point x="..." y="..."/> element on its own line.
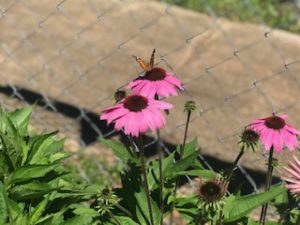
<point x="69" y="57"/>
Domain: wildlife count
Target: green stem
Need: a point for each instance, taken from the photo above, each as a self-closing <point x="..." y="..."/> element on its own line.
<point x="143" y="161"/>
<point x="267" y="186"/>
<point x="298" y="219"/>
<point x="180" y="157"/>
<point x="132" y="146"/>
<point x="121" y="208"/>
<point x="113" y="217"/>
<point x="230" y="172"/>
<point x="161" y="178"/>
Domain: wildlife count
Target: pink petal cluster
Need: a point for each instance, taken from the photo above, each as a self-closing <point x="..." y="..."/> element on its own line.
<point x="292" y="176"/>
<point x="158" y="82"/>
<point x="275" y="132"/>
<point x="136" y="114"/>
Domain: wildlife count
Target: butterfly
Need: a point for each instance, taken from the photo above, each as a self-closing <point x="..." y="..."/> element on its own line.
<point x="144" y="65"/>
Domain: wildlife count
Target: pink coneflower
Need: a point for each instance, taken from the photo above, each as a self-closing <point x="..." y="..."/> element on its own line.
<point x="136" y="114"/>
<point x="156" y="81"/>
<point x="292" y="175"/>
<point x="275" y="132"/>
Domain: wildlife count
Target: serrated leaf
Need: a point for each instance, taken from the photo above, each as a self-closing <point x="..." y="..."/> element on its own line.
<point x="14" y="208"/>
<point x="238" y="207"/>
<point x="29" y="172"/>
<point x="20" y="118"/>
<point x="38" y="152"/>
<point x="11" y="140"/>
<point x="36" y="214"/>
<point x="31" y="190"/>
<point x="58" y="156"/>
<point x="118" y="148"/>
<point x="3" y="204"/>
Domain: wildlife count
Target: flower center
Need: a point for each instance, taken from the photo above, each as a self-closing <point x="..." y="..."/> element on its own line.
<point x="250" y="136"/>
<point x="135" y="103"/>
<point x="119" y="95"/>
<point x="274" y="122"/>
<point x="155" y="74"/>
<point x="210" y="189"/>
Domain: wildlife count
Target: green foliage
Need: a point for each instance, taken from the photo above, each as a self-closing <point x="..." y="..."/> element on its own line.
<point x="275" y="13"/>
<point x="34" y="186"/>
<point x="237" y="207"/>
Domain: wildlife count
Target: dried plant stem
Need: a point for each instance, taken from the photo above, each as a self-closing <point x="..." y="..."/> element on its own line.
<point x="267" y="186"/>
<point x="239" y="156"/>
<point x="144" y="170"/>
<point x="161" y="178"/>
<point x="180" y="157"/>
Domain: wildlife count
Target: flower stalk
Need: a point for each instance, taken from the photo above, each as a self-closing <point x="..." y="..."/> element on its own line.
<point x="144" y="170"/>
<point x="189" y="107"/>
<point x="267" y="186"/>
<point x="113" y="217"/>
<point x="161" y="178"/>
<point x="233" y="166"/>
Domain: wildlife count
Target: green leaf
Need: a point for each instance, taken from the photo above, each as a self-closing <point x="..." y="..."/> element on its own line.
<point x="79" y="220"/>
<point x="81" y="210"/>
<point x="39" y="148"/>
<point x="198" y="173"/>
<point x="51" y="219"/>
<point x="125" y="220"/>
<point x="29" y="172"/>
<point x="11" y="140"/>
<point x="3" y="204"/>
<point x="188" y="206"/>
<point x="118" y="148"/>
<point x="38" y="211"/>
<point x="237" y="207"/>
<point x="183" y="164"/>
<point x="142" y="209"/>
<point x="153" y="175"/>
<point x="14" y="208"/>
<point x="58" y="156"/>
<point x="31" y="190"/>
<point x="190" y="148"/>
<point x="20" y="118"/>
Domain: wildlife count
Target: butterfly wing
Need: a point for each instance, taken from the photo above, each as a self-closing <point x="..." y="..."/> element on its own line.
<point x="151" y="64"/>
<point x="145" y="66"/>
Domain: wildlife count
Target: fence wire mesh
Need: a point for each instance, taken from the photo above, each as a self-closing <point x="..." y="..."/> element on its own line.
<point x="70" y="57"/>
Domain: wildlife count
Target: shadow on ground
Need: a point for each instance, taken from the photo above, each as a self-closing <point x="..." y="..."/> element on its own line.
<point x="91" y="127"/>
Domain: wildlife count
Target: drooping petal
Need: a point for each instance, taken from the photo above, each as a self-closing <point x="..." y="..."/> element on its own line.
<point x="277" y="142"/>
<point x="292" y="130"/>
<point x="160" y="104"/>
<point x="114" y="114"/>
<point x="267" y="139"/>
<point x="135" y="83"/>
<point x="173" y="80"/>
